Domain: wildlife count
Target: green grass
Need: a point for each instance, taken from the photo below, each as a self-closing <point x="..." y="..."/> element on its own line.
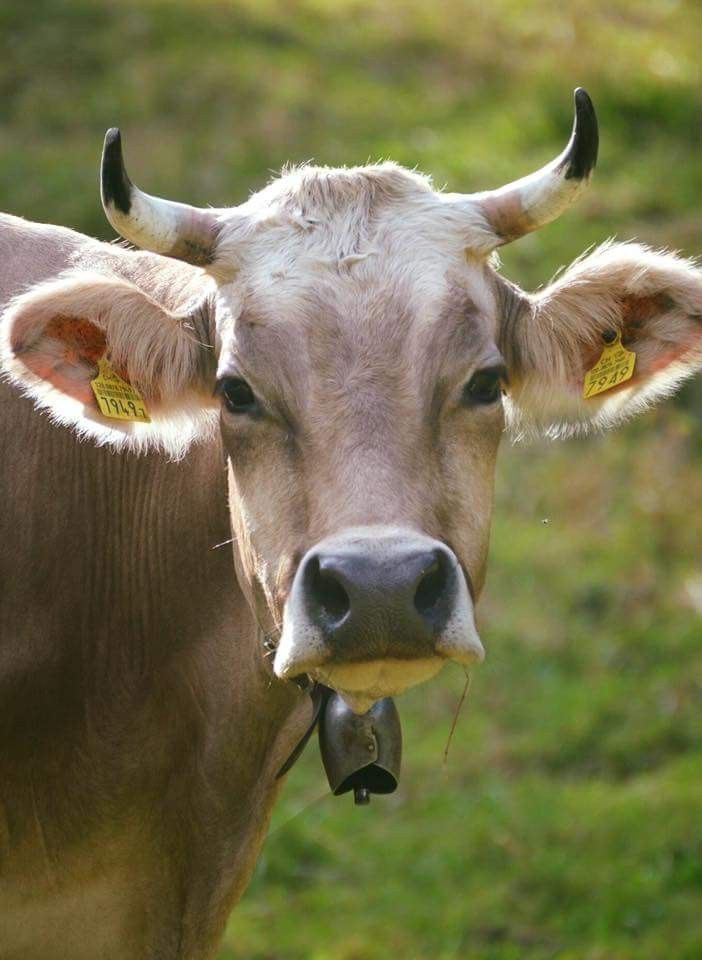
<point x="566" y="823"/>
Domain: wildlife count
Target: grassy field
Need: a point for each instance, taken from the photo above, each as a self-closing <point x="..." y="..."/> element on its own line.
<point x="567" y="821"/>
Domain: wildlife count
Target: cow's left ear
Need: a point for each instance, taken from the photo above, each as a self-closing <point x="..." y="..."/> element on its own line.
<point x="563" y="344"/>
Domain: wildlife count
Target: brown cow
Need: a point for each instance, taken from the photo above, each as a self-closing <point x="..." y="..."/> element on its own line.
<point x="350" y="334"/>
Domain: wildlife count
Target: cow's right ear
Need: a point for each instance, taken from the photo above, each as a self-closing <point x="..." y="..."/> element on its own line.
<point x="62" y="335"/>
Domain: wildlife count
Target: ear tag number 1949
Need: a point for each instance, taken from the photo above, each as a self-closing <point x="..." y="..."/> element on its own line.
<point x="115" y="397"/>
<point x="615" y="366"/>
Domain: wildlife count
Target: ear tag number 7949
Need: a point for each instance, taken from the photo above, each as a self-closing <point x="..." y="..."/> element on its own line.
<point x="615" y="366"/>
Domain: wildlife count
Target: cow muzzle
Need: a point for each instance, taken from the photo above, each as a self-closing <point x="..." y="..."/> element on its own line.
<point x="374" y="611"/>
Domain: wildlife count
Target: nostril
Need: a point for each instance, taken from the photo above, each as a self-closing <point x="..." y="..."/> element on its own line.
<point x="431" y="589"/>
<point x="331" y="596"/>
<point x="327" y="594"/>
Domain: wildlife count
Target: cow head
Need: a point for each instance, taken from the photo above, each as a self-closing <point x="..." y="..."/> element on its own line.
<point x="352" y="335"/>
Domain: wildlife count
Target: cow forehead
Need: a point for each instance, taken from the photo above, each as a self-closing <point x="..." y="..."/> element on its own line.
<point x="371" y="318"/>
<point x="373" y="255"/>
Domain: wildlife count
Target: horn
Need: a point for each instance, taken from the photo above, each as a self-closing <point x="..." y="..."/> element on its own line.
<point x="535" y="200"/>
<point x="361" y="753"/>
<point x="162" y="226"/>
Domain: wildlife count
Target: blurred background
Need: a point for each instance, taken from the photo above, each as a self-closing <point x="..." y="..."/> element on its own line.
<point x="565" y="822"/>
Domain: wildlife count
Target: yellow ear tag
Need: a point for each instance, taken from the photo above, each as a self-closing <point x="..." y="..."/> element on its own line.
<point x="615" y="366"/>
<point x="115" y="397"/>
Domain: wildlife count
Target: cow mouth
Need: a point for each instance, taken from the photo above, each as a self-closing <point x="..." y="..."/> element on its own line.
<point x="303" y="657"/>
<point x="360" y="685"/>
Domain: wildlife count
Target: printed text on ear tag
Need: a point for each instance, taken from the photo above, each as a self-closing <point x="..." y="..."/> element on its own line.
<point x="615" y="366"/>
<point x="115" y="397"/>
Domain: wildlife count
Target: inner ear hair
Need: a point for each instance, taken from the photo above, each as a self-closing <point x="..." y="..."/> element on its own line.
<point x="637" y="311"/>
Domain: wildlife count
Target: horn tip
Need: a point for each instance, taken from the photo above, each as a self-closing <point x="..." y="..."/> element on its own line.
<point x="113" y="135"/>
<point x="584" y="144"/>
<point x="116" y="187"/>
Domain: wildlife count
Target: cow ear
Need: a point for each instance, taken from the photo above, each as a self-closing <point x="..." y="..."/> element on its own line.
<point x="153" y="367"/>
<point x="619" y="296"/>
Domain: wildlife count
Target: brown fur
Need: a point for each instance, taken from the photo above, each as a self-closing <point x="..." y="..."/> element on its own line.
<point x="140" y="729"/>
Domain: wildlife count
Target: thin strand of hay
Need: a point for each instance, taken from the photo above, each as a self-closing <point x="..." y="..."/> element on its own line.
<point x="456" y="715"/>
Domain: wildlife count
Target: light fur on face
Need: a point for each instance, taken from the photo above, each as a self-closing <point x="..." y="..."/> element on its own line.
<point x="313" y="228"/>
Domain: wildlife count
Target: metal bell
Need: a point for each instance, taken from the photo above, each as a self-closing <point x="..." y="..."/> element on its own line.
<point x="361" y="753"/>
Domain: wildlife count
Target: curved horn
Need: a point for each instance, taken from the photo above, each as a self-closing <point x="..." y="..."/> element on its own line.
<point x="162" y="226"/>
<point x="529" y="203"/>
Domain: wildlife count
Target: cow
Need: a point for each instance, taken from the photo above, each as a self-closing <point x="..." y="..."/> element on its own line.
<point x="320" y="377"/>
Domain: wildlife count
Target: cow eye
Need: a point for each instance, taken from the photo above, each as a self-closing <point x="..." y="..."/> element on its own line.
<point x="238" y="395"/>
<point x="484" y="387"/>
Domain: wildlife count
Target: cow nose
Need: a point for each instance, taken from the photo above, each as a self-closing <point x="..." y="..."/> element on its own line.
<point x="402" y="601"/>
<point x="374" y="610"/>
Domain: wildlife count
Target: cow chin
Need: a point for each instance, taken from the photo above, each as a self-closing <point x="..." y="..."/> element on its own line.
<point x="362" y="684"/>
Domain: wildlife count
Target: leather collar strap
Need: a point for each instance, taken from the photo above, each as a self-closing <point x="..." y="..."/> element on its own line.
<point x="319" y="694"/>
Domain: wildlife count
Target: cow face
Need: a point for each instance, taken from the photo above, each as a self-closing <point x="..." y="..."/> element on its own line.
<point x="361" y="410"/>
<point x="349" y="332"/>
